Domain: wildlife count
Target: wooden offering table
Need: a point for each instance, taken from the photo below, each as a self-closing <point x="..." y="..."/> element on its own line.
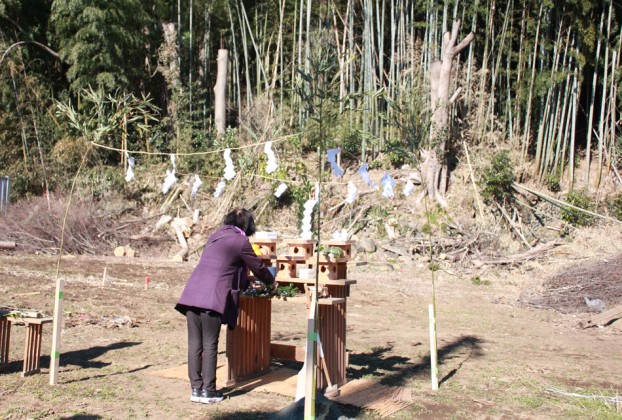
<point x="32" y="346"/>
<point x="248" y="346"/>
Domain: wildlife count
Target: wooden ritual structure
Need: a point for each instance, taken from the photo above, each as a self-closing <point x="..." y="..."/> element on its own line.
<point x="249" y="348"/>
<point x="32" y="345"/>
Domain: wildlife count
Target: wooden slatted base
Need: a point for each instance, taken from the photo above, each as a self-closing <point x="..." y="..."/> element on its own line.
<point x="248" y="345"/>
<point x="332" y="331"/>
<point x="32" y="346"/>
<point x="5" y="338"/>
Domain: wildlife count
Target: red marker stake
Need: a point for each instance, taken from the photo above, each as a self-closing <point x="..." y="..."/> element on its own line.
<point x="146" y="282"/>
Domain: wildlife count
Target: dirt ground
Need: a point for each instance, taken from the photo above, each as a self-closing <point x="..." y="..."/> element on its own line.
<point x="500" y="358"/>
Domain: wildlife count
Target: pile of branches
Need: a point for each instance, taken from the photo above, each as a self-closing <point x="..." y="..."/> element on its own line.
<point x="36" y="226"/>
<point x="566" y="290"/>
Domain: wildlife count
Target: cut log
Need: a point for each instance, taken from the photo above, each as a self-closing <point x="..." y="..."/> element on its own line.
<point x="164" y="220"/>
<point x="604" y="318"/>
<point x="7" y="245"/>
<point x="180" y="228"/>
<point x="129" y="252"/>
<point x="119" y="251"/>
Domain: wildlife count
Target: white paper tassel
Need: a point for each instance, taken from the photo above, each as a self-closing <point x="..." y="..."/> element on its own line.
<point x="387" y="184"/>
<point x="332" y="159"/>
<point x="352" y="193"/>
<point x="317" y="192"/>
<point x="365" y="175"/>
<point x="173" y="162"/>
<point x="129" y="174"/>
<point x="196" y="185"/>
<point x="130" y="168"/>
<point x="306" y="219"/>
<point x="220" y="187"/>
<point x="271" y="166"/>
<point x="229" y="168"/>
<point x="169" y="181"/>
<point x="280" y="189"/>
<point x="409" y="188"/>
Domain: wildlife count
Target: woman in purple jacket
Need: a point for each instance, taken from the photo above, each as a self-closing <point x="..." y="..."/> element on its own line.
<point x="207" y="300"/>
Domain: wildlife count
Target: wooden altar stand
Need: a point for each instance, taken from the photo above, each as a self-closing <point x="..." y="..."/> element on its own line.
<point x="32" y="345"/>
<point x="248" y="346"/>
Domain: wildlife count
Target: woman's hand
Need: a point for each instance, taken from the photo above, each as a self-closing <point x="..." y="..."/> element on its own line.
<point x="257" y="285"/>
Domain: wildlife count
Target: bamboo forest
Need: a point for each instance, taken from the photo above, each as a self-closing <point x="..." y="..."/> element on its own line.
<point x="538" y="79"/>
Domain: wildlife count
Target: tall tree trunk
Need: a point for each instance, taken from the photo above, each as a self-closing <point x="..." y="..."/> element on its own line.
<point x="440" y="79"/>
<point x="220" y="94"/>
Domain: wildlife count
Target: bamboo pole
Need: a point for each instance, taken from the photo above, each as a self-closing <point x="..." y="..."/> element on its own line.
<point x="59" y="293"/>
<point x="433" y="349"/>
<point x="472" y="176"/>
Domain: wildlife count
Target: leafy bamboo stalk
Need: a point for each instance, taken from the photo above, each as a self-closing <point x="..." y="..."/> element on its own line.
<point x="526" y="131"/>
<point x="553" y="142"/>
<point x="612" y="111"/>
<point x="22" y="124"/>
<point x="237" y="88"/>
<point x="521" y="61"/>
<point x="179" y="36"/>
<point x="603" y="104"/>
<point x="261" y="71"/>
<point x="575" y="108"/>
<point x="206" y="56"/>
<point x="470" y="59"/>
<point x="562" y="133"/>
<point x="495" y="68"/>
<point x="590" y="119"/>
<point x="243" y="30"/>
<point x="190" y="60"/>
<point x="488" y="39"/>
<point x="543" y="141"/>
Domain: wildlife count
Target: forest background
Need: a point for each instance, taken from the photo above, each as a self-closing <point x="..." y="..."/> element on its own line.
<point x="533" y="97"/>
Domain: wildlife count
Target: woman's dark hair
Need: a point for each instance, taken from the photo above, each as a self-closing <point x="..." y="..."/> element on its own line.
<point x="241" y="218"/>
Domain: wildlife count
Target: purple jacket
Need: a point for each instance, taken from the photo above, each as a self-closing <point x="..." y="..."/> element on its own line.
<point x="222" y="267"/>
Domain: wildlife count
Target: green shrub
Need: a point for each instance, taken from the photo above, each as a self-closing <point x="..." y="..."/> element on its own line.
<point x="552" y="183"/>
<point x="615" y="206"/>
<point x="578" y="198"/>
<point x="497" y="179"/>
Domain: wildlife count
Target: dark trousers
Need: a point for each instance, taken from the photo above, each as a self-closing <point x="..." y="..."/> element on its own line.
<point x="203" y="332"/>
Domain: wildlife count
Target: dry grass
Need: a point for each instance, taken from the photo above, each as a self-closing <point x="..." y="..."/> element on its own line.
<point x="36" y="226"/>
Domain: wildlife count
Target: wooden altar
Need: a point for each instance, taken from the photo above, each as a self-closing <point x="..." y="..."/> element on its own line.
<point x="249" y="347"/>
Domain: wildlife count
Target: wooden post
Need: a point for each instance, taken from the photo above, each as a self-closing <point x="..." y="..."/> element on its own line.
<point x="58" y="325"/>
<point x="433" y="354"/>
<point x="220" y="93"/>
<point x="310" y="358"/>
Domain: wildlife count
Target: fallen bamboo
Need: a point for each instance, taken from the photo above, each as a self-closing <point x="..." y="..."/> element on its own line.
<point x="562" y="204"/>
<point x="513" y="225"/>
